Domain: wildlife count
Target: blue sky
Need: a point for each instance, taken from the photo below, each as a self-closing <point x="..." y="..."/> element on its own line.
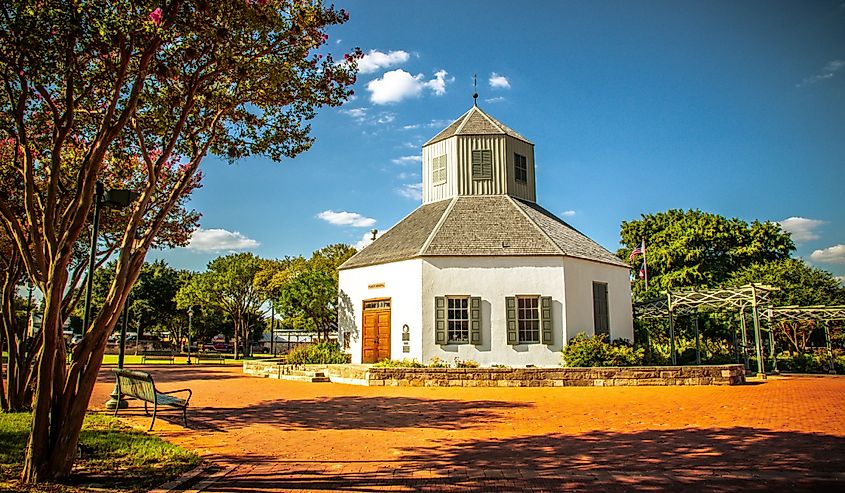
<point x="736" y="108"/>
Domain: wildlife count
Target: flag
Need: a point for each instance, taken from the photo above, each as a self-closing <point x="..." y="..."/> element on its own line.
<point x="642" y="271"/>
<point x="637" y="251"/>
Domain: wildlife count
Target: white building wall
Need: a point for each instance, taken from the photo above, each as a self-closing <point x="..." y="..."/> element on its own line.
<point x="580" y="275"/>
<point x="494" y="278"/>
<point x="399" y="281"/>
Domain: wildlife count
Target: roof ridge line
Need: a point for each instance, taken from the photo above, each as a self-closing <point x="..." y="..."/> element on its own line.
<point x="492" y="120"/>
<point x="537" y="226"/>
<point x="465" y="118"/>
<point x="437" y="226"/>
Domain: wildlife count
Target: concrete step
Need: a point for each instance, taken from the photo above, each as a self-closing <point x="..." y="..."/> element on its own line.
<point x="305" y="376"/>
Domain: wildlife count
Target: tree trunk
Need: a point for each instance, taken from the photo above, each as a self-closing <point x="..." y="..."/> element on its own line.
<point x="14" y="391"/>
<point x="62" y="393"/>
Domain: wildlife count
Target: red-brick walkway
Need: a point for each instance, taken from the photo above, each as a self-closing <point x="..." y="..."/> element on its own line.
<point x="787" y="434"/>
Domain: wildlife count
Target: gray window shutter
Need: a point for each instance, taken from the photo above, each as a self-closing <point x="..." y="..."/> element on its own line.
<point x="475" y="320"/>
<point x="440" y="320"/>
<point x="510" y="316"/>
<point x="546" y="318"/>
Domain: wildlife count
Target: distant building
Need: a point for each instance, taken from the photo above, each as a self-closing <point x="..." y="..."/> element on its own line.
<point x="480" y="271"/>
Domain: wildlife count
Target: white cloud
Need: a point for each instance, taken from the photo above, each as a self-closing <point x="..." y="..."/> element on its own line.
<point x="801" y="228"/>
<point x="375" y="60"/>
<point x="366" y="239"/>
<point x="407" y="160"/>
<point x="219" y="240"/>
<point x="396" y="85"/>
<point x="411" y="191"/>
<point x="344" y="218"/>
<point x="827" y="72"/>
<point x="497" y="99"/>
<point x="358" y="114"/>
<point x="499" y="81"/>
<point x="829" y="255"/>
<point x="405" y="175"/>
<point x="385" y="118"/>
<point x="438" y="83"/>
<point x="569" y="213"/>
<point x="841" y="279"/>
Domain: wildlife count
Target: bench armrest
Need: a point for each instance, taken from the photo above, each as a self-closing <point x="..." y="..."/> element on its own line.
<point x="180" y="390"/>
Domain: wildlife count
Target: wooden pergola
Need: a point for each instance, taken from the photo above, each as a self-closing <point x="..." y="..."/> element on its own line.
<point x="755" y="297"/>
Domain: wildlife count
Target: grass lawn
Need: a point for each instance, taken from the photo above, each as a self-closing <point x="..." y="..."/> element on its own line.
<point x="132" y="359"/>
<point x="114" y="457"/>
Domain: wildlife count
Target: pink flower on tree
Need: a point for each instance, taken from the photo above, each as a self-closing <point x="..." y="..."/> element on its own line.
<point x="156" y="16"/>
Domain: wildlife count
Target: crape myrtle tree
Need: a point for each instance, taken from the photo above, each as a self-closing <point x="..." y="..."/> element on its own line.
<point x="86" y="85"/>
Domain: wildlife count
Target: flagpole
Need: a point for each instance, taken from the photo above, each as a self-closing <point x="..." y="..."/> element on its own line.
<point x="645" y="265"/>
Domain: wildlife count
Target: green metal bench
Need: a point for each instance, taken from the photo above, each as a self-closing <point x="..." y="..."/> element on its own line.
<point x="157" y="354"/>
<point x="140" y="385"/>
<point x="210" y="357"/>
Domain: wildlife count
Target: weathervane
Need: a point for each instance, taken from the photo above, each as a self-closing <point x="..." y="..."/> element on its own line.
<point x="474" y="90"/>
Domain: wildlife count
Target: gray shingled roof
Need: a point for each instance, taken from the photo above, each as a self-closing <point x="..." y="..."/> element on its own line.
<point x="475" y="122"/>
<point x="480" y="225"/>
<point x="403" y="241"/>
<point x="570" y="241"/>
<point x="487" y="225"/>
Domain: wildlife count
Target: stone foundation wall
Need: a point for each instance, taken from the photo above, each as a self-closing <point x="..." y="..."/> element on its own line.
<point x="558" y="377"/>
<point x="512" y="377"/>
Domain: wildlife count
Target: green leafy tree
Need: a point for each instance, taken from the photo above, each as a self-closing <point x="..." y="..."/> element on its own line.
<point x="228" y="285"/>
<point x="687" y="249"/>
<point x="305" y="291"/>
<point x="798" y="284"/>
<point x="85" y="87"/>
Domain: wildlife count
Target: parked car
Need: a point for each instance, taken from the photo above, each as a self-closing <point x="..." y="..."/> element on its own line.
<point x="219" y="346"/>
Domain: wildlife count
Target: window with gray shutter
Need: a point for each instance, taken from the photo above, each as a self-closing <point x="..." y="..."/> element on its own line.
<point x="475" y="320"/>
<point x="546" y="318"/>
<point x="528" y="319"/>
<point x="482" y="164"/>
<point x="520" y="168"/>
<point x="510" y="317"/>
<point x="601" y="317"/>
<point x="457" y="319"/>
<point x="440" y="320"/>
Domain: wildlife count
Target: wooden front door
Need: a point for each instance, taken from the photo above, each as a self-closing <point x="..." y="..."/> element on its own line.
<point x="376" y="331"/>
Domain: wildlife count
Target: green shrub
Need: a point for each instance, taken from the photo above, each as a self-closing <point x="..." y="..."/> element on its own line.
<point x="810" y="363"/>
<point x="436" y="362"/>
<point x="399" y="363"/>
<point x="322" y="353"/>
<point x="465" y="363"/>
<point x="583" y="350"/>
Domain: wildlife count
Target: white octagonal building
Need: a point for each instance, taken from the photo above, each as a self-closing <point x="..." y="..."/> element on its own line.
<point x="480" y="271"/>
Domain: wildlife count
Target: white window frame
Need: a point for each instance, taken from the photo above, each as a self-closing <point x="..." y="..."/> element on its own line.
<point x="520" y="321"/>
<point x="438" y="169"/>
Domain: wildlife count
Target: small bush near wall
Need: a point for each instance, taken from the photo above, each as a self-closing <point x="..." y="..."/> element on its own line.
<point x="322" y="353"/>
<point x="433" y="363"/>
<point x="582" y="351"/>
<point x="810" y="363"/>
<point x="399" y="363"/>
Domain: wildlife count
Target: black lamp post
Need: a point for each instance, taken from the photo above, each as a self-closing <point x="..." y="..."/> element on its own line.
<point x="190" y="318"/>
<point x="114" y="199"/>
